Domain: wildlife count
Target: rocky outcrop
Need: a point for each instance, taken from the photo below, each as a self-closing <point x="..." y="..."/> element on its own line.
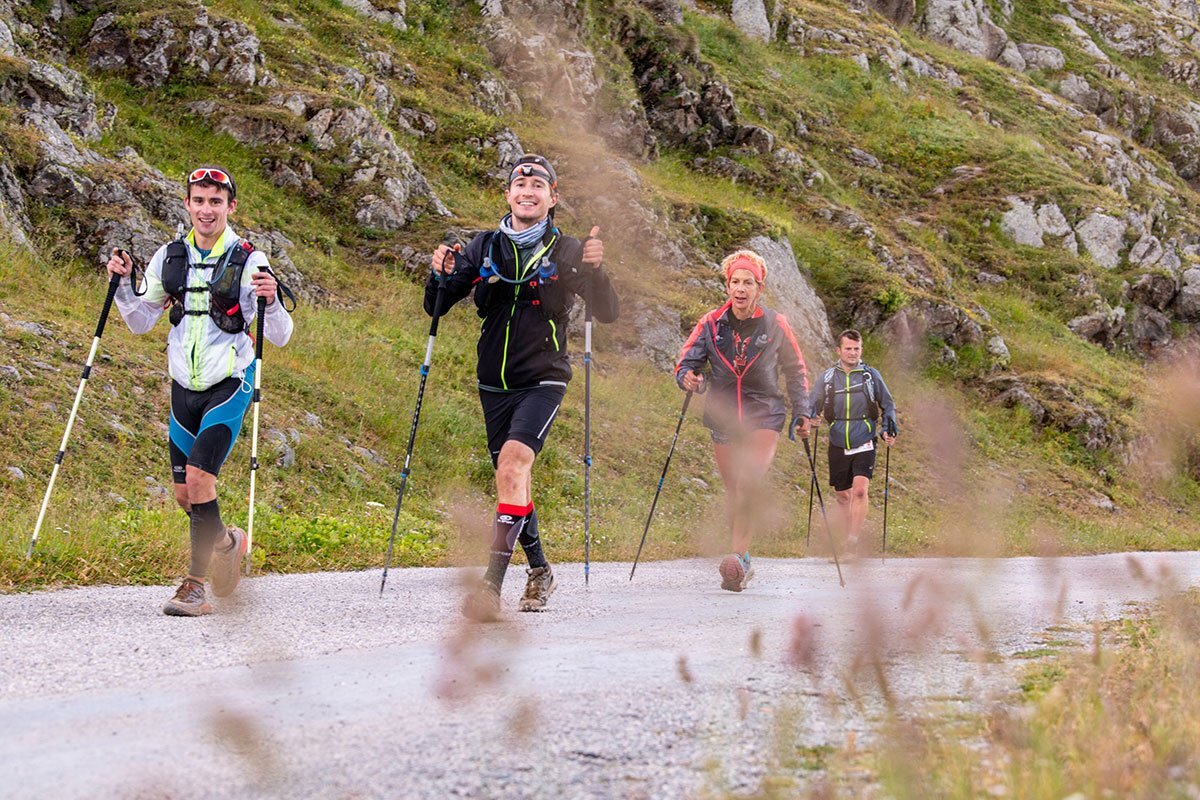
<point x="390" y="192"/>
<point x="1102" y="327"/>
<point x="151" y="51"/>
<point x="389" y="13"/>
<point x="1187" y="302"/>
<point x="750" y="17"/>
<point x="967" y="25"/>
<point x="1032" y="226"/>
<point x="1043" y="57"/>
<point x="685" y="104"/>
<point x="667" y="12"/>
<point x="659" y="331"/>
<point x="1082" y="38"/>
<point x="14" y="219"/>
<point x="1175" y="132"/>
<point x="1052" y="404"/>
<point x="1154" y="289"/>
<point x="1020" y="223"/>
<point x="898" y="12"/>
<point x="1123" y="168"/>
<point x="790" y="293"/>
<point x="1149" y="329"/>
<point x="538" y="45"/>
<point x="1102" y="237"/>
<point x="925" y="317"/>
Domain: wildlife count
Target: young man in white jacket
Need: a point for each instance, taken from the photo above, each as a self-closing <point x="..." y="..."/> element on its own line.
<point x="208" y="284"/>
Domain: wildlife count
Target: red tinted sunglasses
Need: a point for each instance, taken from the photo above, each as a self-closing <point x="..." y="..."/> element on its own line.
<point x="211" y="174"/>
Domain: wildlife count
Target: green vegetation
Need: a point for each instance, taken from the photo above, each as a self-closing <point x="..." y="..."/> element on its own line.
<point x="1119" y="720"/>
<point x="970" y="476"/>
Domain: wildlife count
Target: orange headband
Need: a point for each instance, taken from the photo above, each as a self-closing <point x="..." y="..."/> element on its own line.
<point x="742" y="262"/>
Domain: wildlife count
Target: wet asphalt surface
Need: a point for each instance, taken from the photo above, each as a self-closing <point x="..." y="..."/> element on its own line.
<point x="664" y="687"/>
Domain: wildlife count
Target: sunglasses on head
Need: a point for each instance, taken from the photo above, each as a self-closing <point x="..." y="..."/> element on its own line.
<point x="209" y="173"/>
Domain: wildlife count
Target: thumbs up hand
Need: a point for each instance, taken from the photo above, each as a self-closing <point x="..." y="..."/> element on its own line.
<point x="593" y="248"/>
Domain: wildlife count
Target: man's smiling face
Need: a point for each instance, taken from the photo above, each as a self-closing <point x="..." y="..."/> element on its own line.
<point x="530" y="198"/>
<point x="209" y="207"/>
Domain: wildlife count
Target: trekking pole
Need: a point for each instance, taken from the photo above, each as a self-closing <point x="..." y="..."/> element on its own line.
<point x="113" y="282"/>
<point x="887" y="463"/>
<point x="256" y="398"/>
<point x="812" y="485"/>
<point x="682" y="413"/>
<point x="412" y="433"/>
<point x="587" y="428"/>
<point x="821" y="502"/>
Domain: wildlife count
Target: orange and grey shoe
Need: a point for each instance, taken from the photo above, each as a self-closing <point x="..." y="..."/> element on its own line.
<point x="190" y="600"/>
<point x="538" y="588"/>
<point x="227" y="564"/>
<point x="734" y="573"/>
<point x="482" y="604"/>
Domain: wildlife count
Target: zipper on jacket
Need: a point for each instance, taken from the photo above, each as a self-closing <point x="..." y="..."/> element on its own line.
<point x="848" y="410"/>
<point x="520" y="273"/>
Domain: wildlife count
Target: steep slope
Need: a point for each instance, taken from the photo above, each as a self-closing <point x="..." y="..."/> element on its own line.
<point x="1001" y="197"/>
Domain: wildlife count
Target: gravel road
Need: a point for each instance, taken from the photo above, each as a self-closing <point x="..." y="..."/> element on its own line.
<point x="667" y="687"/>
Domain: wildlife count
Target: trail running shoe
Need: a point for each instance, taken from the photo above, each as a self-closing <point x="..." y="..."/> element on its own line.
<point x="189" y="600"/>
<point x="483" y="604"/>
<point x="749" y="573"/>
<point x="733" y="573"/>
<point x="227" y="565"/>
<point x="538" y="588"/>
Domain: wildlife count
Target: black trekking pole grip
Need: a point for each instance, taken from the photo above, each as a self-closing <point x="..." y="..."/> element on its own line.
<point x="824" y="517"/>
<point x="811" y="490"/>
<point x="113" y="282"/>
<point x="437" y="304"/>
<point x="661" y="478"/>
<point x="258" y="340"/>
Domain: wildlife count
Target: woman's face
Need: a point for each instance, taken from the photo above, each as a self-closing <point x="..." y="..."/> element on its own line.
<point x="743" y="290"/>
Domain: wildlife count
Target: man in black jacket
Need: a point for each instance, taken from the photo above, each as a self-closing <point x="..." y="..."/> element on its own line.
<point x="525" y="275"/>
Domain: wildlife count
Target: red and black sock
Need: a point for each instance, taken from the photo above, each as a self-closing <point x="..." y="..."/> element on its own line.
<point x="531" y="541"/>
<point x="509" y="523"/>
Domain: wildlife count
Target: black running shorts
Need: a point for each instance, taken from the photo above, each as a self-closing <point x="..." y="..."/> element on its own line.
<point x="844" y="468"/>
<point x="204" y="425"/>
<point x="523" y="416"/>
<point x="773" y="422"/>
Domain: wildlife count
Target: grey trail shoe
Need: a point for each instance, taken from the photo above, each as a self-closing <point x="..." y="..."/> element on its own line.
<point x="482" y="604"/>
<point x="190" y="600"/>
<point x="733" y="573"/>
<point x="227" y="565"/>
<point x="538" y="588"/>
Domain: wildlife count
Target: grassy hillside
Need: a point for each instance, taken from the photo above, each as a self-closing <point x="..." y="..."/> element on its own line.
<point x="969" y="476"/>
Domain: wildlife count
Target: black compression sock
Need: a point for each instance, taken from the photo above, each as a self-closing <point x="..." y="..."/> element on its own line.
<point x="206" y="527"/>
<point x="531" y="542"/>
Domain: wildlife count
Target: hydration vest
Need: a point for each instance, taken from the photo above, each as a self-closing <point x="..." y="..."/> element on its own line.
<point x="224" y="290"/>
<point x="866" y="387"/>
<point x="541" y="278"/>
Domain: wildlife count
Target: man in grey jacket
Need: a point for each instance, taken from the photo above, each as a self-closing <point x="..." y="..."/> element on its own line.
<point x="850" y="396"/>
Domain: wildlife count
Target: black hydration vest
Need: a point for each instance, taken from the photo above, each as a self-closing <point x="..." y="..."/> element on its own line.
<point x="224" y="290"/>
<point x="541" y="278"/>
<point x="866" y="387"/>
